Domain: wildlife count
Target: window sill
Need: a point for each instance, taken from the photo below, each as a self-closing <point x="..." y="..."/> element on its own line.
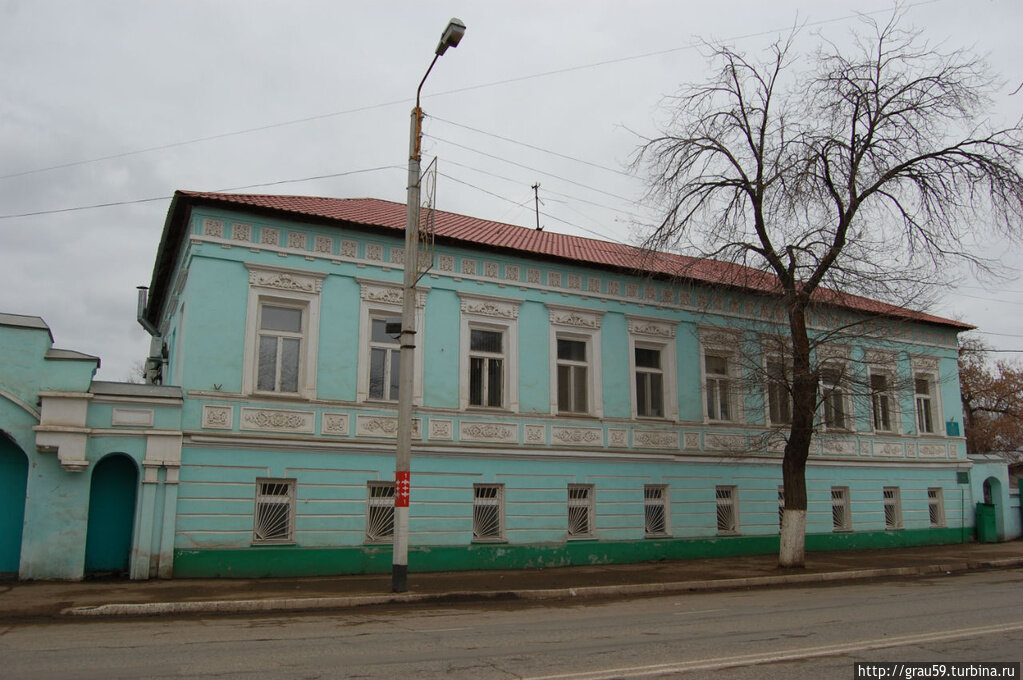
<point x="272" y="544"/>
<point x="656" y="536"/>
<point x="490" y="541"/>
<point x="576" y="539"/>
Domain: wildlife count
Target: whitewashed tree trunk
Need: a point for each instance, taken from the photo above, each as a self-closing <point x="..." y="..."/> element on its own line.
<point x="793" y="539"/>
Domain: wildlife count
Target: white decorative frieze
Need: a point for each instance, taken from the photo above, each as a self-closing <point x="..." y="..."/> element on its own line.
<point x="561" y="316"/>
<point x="389" y="295"/>
<point x="618" y="437"/>
<point x="269" y="237"/>
<point x="374" y="252"/>
<point x="593" y="284"/>
<point x="446" y="263"/>
<point x="384" y="426"/>
<point x="490" y="307"/>
<point x="535" y="434"/>
<point x="442" y="429"/>
<point x="632" y="290"/>
<point x="575" y="282"/>
<point x="667" y="296"/>
<point x="212" y="227"/>
<point x="692" y="441"/>
<point x="655" y="439"/>
<point x="398" y="256"/>
<point x="718" y="339"/>
<point x="650" y="293"/>
<point x="932" y="451"/>
<point x="614" y="288"/>
<point x="651" y="328"/>
<point x="554" y="279"/>
<point x="490" y="270"/>
<point x="323" y="244"/>
<point x="134" y="417"/>
<point x="843" y="447"/>
<point x="335" y="424"/>
<point x="277" y="420"/>
<point x="297" y="240"/>
<point x="217" y="417"/>
<point x="512" y="272"/>
<point x="889" y="450"/>
<point x="577" y="436"/>
<point x="241" y="232"/>
<point x="726" y="442"/>
<point x="533" y="276"/>
<point x="925" y="364"/>
<point x="498" y="433"/>
<point x="865" y="448"/>
<point x="468" y="267"/>
<point x="281" y="279"/>
<point x="349" y="249"/>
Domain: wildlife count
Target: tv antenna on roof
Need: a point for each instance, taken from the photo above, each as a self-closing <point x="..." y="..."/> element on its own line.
<point x="537" y="202"/>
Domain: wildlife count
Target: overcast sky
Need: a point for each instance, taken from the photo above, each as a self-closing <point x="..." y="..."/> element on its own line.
<point x="120" y="102"/>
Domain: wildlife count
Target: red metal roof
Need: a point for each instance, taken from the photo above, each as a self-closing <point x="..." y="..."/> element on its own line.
<point x="475" y="232"/>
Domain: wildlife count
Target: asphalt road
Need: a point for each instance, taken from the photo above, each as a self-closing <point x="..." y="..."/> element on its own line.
<point x="816" y="632"/>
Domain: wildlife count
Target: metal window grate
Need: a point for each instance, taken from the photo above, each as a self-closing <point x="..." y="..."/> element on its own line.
<point x="580" y="510"/>
<point x="727" y="523"/>
<point x="488" y="511"/>
<point x="655" y="500"/>
<point x="380" y="512"/>
<point x="840" y="508"/>
<point x="274" y="514"/>
<point x="892" y="511"/>
<point x="936" y="507"/>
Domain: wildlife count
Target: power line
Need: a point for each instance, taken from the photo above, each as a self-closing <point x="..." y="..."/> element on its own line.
<point x="480" y="86"/>
<point x="167" y="198"/>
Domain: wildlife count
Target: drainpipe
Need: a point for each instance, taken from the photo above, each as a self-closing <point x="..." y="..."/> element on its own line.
<point x="155" y="360"/>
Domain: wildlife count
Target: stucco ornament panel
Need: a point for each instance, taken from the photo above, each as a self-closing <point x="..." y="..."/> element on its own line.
<point x="614" y="288"/>
<point x="574" y="317"/>
<point x="618" y="437"/>
<point x="375" y="252"/>
<point x="726" y="442"/>
<point x="270" y="237"/>
<point x="446" y="263"/>
<point x="575" y="436"/>
<point x="488" y="432"/>
<point x="335" y="423"/>
<point x="135" y="417"/>
<point x="512" y="272"/>
<point x="575" y="282"/>
<point x="276" y="420"/>
<point x="281" y="279"/>
<point x="692" y="441"/>
<point x="651" y="328"/>
<point x="469" y="267"/>
<point x="212" y="227"/>
<point x="834" y="447"/>
<point x="323" y="244"/>
<point x="349" y="248"/>
<point x="296" y="240"/>
<point x="554" y="279"/>
<point x="490" y="270"/>
<point x="241" y="232"/>
<point x="932" y="451"/>
<point x="925" y="364"/>
<point x="655" y="439"/>
<point x="536" y="434"/>
<point x="442" y="429"/>
<point x="718" y="339"/>
<point x="592" y="284"/>
<point x="533" y="276"/>
<point x="389" y="295"/>
<point x="493" y="308"/>
<point x="889" y="450"/>
<point x="398" y="255"/>
<point x="383" y="426"/>
<point x="217" y="417"/>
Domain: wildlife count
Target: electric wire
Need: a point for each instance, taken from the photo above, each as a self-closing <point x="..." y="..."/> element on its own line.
<point x="469" y="88"/>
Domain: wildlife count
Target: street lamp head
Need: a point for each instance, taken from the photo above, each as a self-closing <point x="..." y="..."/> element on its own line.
<point x="451" y="37"/>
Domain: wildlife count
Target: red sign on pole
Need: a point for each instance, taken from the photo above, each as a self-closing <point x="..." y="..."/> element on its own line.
<point x="402" y="488"/>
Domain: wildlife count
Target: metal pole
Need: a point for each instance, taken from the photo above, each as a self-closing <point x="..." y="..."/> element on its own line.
<point x="406" y="382"/>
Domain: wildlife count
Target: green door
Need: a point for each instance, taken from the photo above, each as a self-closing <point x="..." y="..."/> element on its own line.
<point x="13" y="482"/>
<point x="111" y="515"/>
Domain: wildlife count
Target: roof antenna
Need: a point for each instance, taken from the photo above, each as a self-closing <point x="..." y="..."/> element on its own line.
<point x="536" y="202"/>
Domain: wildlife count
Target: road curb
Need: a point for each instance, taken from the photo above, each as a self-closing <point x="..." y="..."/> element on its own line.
<point x="581" y="592"/>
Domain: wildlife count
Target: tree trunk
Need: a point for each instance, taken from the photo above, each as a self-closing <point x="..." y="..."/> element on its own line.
<point x="792" y="552"/>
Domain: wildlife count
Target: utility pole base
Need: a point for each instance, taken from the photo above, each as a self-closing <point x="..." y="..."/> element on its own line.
<point x="399" y="578"/>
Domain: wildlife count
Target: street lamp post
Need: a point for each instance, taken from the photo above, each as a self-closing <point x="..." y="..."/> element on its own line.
<point x="403" y="458"/>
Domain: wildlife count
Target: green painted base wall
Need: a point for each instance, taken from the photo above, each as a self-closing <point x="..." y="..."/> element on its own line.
<point x="284" y="561"/>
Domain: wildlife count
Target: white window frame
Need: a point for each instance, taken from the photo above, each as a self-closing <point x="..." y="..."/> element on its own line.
<point x="493" y="314"/>
<point x="584" y="498"/>
<point x="936" y="507"/>
<point x="656" y="505"/>
<point x="933" y="402"/>
<point x="393" y="349"/>
<point x="567" y="323"/>
<point x="379" y="497"/>
<point x="282" y="502"/>
<point x="774" y="388"/>
<point x="725" y="345"/>
<point x="840" y="501"/>
<point x="487" y="496"/>
<point x="654" y="334"/>
<point x="726" y="505"/>
<point x="892" y="497"/>
<point x="380" y="300"/>
<point x="282" y="287"/>
<point x="841" y="386"/>
<point x="888" y="396"/>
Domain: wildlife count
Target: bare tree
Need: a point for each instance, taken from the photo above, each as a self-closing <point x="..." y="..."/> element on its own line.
<point x="992" y="402"/>
<point x="865" y="174"/>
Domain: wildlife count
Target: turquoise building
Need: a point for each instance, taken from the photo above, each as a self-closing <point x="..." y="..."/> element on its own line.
<point x="577" y="402"/>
